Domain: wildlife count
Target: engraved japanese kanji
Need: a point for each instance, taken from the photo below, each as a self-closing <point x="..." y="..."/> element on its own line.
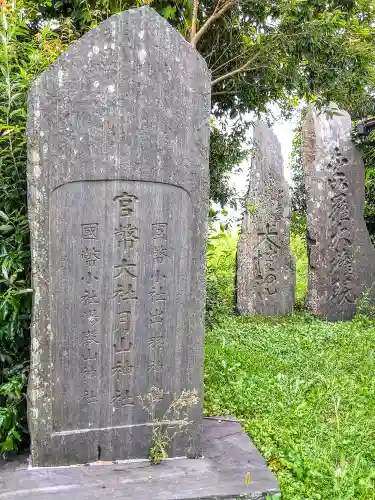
<point x="90" y="231"/>
<point x="90" y="256"/>
<point x="124" y="269"/>
<point x="126" y="202"/>
<point x="127" y="234"/>
<point x="159" y="230"/>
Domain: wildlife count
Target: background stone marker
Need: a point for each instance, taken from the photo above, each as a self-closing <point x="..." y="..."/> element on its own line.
<point x="118" y="200"/>
<point x="265" y="266"/>
<point x="341" y="255"/>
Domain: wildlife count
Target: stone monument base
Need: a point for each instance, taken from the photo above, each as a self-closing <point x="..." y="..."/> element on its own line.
<point x="228" y="456"/>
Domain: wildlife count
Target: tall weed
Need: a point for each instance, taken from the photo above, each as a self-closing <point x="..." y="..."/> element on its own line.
<point x="299" y="249"/>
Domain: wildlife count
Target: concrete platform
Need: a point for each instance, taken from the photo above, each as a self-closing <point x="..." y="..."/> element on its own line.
<point x="229" y="455"/>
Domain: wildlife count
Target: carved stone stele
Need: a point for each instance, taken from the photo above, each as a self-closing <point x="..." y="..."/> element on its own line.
<point x="341" y="255"/>
<point x="265" y="267"/>
<point x="118" y="195"/>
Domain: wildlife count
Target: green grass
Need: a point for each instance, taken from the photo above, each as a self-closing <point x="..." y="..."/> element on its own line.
<point x="304" y="390"/>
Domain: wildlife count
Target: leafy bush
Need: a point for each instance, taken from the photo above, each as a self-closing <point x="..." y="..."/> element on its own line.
<point x="365" y="303"/>
<point x="299" y="224"/>
<point x="221" y="269"/>
<point x="24" y="52"/>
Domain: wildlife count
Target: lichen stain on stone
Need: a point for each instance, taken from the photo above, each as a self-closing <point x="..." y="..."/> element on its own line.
<point x="142" y="54"/>
<point x="60" y="77"/>
<point x="113" y="33"/>
<point x="36" y="392"/>
<point x="35" y="160"/>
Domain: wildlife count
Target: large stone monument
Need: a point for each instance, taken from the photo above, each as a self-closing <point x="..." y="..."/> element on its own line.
<point x="341" y="255"/>
<point x="265" y="266"/>
<point x="118" y="199"/>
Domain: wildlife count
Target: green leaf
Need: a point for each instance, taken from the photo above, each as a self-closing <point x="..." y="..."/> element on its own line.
<point x="168" y="12"/>
<point x="8" y="445"/>
<point x="4" y="21"/>
<point x="16" y="435"/>
<point x="4" y="270"/>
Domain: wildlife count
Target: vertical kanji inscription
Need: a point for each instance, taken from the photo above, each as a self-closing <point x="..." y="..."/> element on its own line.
<point x="265" y="260"/>
<point x="125" y="297"/>
<point x="89" y="341"/>
<point x="158" y="297"/>
<point x="340" y="232"/>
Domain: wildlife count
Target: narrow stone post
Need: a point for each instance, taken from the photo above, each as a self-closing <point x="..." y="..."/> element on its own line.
<point x="265" y="266"/>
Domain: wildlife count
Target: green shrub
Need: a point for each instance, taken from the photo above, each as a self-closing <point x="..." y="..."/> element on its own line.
<point x="24" y="52"/>
<point x="299" y="224"/>
<point x="221" y="268"/>
<point x="365" y="303"/>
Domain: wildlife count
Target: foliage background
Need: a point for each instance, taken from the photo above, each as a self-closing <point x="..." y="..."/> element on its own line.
<point x="259" y="52"/>
<point x="367" y="147"/>
<point x="23" y="53"/>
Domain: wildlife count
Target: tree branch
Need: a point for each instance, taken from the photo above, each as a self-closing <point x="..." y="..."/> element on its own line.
<point x="219" y="11"/>
<point x="241" y="69"/>
<point x="238" y="56"/>
<point x="224" y="92"/>
<point x="194" y="20"/>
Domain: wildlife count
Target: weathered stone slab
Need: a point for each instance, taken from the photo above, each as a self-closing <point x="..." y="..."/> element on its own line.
<point x="341" y="255"/>
<point x="265" y="266"/>
<point x="118" y="200"/>
<point x="229" y="455"/>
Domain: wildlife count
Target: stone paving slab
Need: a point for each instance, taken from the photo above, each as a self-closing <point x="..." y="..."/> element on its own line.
<point x="229" y="455"/>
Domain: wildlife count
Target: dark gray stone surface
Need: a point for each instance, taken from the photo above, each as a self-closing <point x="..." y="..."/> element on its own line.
<point x="118" y="199"/>
<point x="229" y="456"/>
<point x="341" y="256"/>
<point x="265" y="266"/>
